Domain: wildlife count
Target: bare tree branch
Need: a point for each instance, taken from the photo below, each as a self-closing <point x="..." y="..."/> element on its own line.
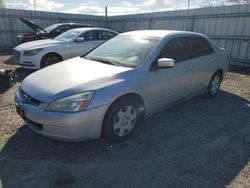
<point x="2" y="4"/>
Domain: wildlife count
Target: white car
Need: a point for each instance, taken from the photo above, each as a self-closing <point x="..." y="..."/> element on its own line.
<point x="76" y="42"/>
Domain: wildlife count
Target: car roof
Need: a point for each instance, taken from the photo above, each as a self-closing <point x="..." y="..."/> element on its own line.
<point x="160" y="33"/>
<point x="92" y="28"/>
<point x="84" y="25"/>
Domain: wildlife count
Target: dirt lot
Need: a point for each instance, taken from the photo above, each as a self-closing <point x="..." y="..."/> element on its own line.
<point x="199" y="143"/>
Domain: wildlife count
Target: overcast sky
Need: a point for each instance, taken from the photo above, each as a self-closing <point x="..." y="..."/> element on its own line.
<point x="115" y="7"/>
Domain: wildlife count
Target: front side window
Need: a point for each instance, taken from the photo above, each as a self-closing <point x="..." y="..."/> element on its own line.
<point x="175" y="49"/>
<point x="91" y="35"/>
<point x="68" y="35"/>
<point x="125" y="50"/>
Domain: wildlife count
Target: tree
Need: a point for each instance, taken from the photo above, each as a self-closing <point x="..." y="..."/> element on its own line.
<point x="2" y="4"/>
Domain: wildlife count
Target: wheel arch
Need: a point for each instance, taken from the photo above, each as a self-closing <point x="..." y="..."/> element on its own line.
<point x="220" y="71"/>
<point x="50" y="53"/>
<point x="131" y="95"/>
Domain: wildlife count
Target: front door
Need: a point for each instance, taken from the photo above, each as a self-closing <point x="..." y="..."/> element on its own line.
<point x="170" y="84"/>
<point x="91" y="40"/>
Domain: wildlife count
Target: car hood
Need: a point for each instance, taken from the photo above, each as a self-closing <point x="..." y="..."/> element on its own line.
<point x="32" y="25"/>
<point x="38" y="44"/>
<point x="70" y="77"/>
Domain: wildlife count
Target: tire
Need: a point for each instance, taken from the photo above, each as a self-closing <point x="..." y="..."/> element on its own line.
<point x="121" y="120"/>
<point x="50" y="59"/>
<point x="214" y="85"/>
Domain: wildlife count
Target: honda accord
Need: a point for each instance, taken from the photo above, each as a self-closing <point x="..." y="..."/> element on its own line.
<point x="123" y="81"/>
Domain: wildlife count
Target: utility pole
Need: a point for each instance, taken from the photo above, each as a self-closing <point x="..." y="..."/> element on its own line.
<point x="106" y="16"/>
<point x="35" y="5"/>
<point x="188" y="15"/>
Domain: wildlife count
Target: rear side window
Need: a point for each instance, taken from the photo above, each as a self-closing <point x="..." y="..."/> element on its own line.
<point x="199" y="46"/>
<point x="176" y="49"/>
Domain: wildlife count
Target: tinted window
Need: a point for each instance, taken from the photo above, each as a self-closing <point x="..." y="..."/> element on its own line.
<point x="199" y="46"/>
<point x="62" y="28"/>
<point x="176" y="49"/>
<point x="51" y="28"/>
<point x="77" y="26"/>
<point x="91" y="35"/>
<point x="105" y="35"/>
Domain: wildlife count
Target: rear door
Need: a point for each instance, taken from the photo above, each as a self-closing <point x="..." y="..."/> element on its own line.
<point x="204" y="61"/>
<point x="170" y="84"/>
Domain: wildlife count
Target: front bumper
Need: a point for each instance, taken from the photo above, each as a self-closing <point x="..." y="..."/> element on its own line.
<point x="27" y="62"/>
<point x="76" y="126"/>
<point x="29" y="65"/>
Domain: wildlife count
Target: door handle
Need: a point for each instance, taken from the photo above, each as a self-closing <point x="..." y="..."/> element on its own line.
<point x="186" y="69"/>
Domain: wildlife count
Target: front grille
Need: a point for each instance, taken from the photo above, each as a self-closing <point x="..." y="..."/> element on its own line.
<point x="28" y="99"/>
<point x="17" y="55"/>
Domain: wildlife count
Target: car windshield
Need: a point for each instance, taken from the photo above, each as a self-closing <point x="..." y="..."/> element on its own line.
<point x="67" y="36"/>
<point x="49" y="28"/>
<point x="124" y="50"/>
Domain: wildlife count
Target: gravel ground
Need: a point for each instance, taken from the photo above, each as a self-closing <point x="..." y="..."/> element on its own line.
<point x="199" y="143"/>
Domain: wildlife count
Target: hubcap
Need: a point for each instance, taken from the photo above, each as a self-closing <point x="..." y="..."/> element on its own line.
<point x="215" y="84"/>
<point x="124" y="121"/>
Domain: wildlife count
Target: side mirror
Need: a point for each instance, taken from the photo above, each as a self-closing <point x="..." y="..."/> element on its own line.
<point x="79" y="39"/>
<point x="165" y="63"/>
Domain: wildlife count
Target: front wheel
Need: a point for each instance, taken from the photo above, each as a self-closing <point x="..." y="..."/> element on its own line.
<point x="50" y="59"/>
<point x="121" y="120"/>
<point x="214" y="85"/>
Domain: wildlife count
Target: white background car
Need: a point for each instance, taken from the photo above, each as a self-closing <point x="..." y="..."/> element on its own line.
<point x="75" y="42"/>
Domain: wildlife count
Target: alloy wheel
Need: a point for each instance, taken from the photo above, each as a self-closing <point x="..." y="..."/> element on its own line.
<point x="215" y="84"/>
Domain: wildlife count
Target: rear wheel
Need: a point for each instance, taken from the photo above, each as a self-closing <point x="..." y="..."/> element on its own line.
<point x="121" y="120"/>
<point x="50" y="59"/>
<point x="214" y="85"/>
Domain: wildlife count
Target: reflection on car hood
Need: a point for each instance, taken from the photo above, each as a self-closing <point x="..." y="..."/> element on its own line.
<point x="32" y="25"/>
<point x="70" y="77"/>
<point x="37" y="44"/>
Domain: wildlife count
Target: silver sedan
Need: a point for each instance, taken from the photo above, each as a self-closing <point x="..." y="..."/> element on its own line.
<point x="123" y="81"/>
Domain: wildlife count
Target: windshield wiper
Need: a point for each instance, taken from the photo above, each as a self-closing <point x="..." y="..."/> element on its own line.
<point x="109" y="61"/>
<point x="103" y="60"/>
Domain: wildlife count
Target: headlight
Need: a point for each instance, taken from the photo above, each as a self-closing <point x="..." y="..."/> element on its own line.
<point x="74" y="103"/>
<point x="32" y="52"/>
